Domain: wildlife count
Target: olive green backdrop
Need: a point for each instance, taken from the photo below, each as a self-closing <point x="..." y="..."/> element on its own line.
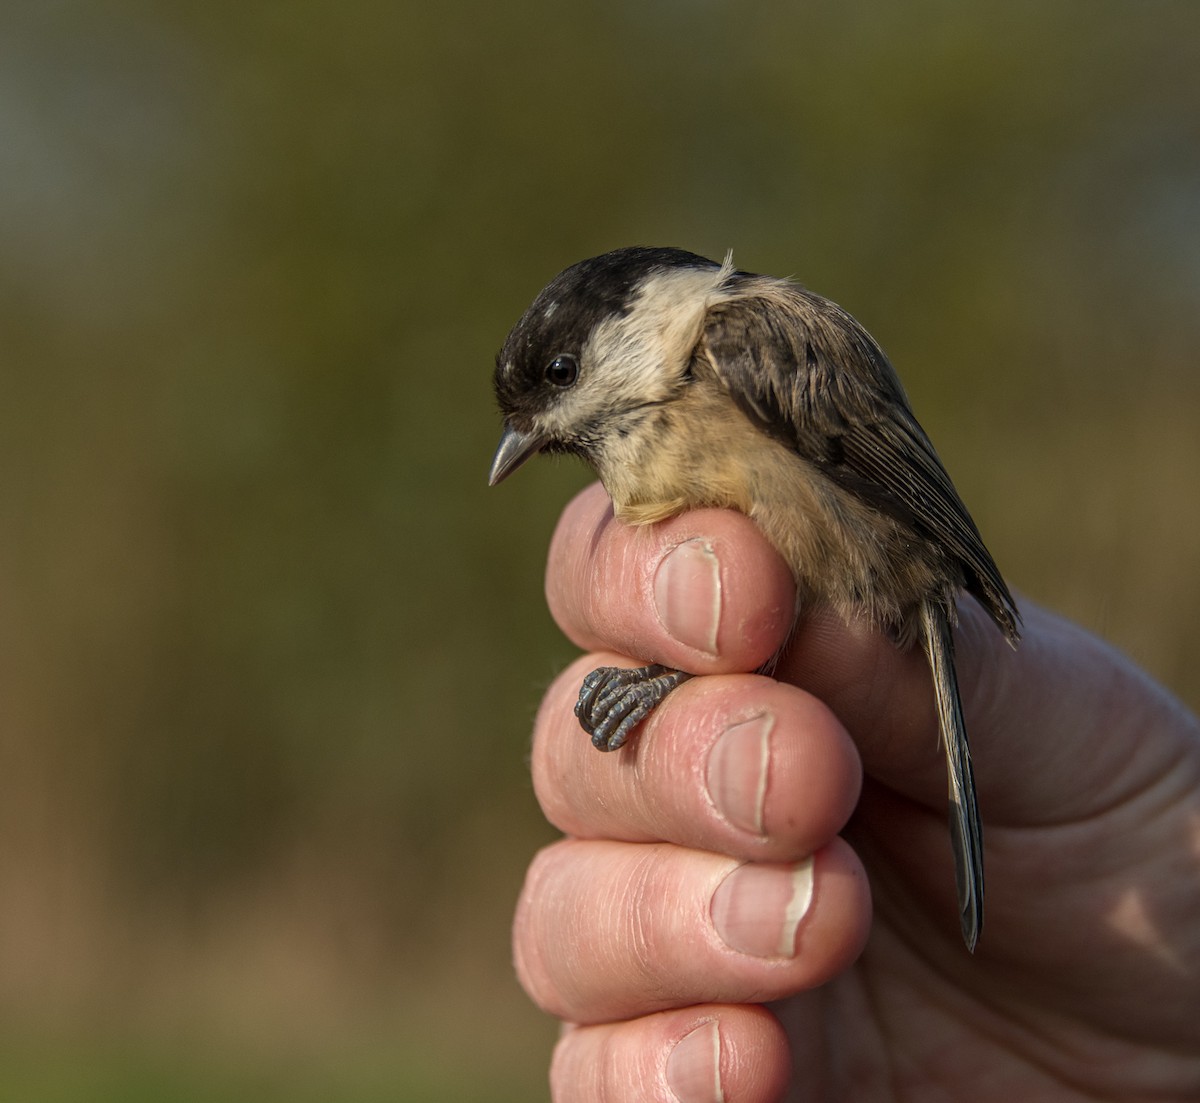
<point x="269" y="647"/>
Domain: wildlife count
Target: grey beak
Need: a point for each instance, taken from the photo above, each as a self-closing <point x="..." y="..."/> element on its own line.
<point x="515" y="448"/>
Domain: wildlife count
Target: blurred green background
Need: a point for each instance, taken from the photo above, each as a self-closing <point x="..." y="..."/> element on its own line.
<point x="269" y="647"/>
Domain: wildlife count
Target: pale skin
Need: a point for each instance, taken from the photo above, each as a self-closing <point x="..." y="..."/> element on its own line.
<point x="636" y="930"/>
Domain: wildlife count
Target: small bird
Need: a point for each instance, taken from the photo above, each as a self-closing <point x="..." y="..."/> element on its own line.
<point x="685" y="383"/>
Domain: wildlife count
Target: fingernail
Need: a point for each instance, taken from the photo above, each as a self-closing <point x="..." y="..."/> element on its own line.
<point x="694" y="1066"/>
<point x="757" y="909"/>
<point x="687" y="595"/>
<point x="737" y="772"/>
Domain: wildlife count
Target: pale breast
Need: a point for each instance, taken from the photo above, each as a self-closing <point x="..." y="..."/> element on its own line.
<point x="704" y="452"/>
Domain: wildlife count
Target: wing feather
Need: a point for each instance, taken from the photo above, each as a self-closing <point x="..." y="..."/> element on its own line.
<point x="807" y="373"/>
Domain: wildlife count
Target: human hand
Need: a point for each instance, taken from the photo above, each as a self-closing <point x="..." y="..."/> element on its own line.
<point x="703" y="875"/>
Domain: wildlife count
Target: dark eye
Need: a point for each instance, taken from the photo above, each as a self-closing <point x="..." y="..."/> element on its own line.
<point x="562" y="370"/>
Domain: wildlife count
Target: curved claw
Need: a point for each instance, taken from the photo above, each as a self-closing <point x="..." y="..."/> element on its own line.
<point x="592" y="686"/>
<point x="614" y="700"/>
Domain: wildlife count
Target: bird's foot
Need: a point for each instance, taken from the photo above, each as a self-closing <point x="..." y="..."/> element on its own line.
<point x="613" y="700"/>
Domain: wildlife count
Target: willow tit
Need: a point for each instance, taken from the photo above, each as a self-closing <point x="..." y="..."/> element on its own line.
<point x="686" y="383"/>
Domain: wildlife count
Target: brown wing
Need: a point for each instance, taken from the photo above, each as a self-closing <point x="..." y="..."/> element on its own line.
<point x="807" y="373"/>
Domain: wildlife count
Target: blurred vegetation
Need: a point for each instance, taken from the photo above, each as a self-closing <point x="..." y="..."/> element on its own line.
<point x="269" y="648"/>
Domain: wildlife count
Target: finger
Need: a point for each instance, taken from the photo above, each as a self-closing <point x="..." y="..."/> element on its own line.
<point x="882" y="694"/>
<point x="702" y="592"/>
<point x="738" y="764"/>
<point x="710" y="1052"/>
<point x="608" y="930"/>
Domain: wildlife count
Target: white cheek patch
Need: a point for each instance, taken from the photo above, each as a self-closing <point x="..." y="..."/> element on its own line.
<point x="639" y="355"/>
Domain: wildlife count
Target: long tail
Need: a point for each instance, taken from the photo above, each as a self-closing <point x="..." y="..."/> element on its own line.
<point x="966" y="832"/>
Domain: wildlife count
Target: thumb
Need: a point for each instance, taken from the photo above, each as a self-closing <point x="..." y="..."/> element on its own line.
<point x="1050" y="724"/>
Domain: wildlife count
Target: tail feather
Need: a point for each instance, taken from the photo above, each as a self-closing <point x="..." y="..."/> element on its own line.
<point x="966" y="831"/>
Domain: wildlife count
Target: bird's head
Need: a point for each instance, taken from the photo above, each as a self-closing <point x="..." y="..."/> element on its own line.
<point x="605" y="343"/>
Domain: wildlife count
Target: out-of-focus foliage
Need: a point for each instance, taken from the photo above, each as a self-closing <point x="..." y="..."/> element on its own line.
<point x="269" y="649"/>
